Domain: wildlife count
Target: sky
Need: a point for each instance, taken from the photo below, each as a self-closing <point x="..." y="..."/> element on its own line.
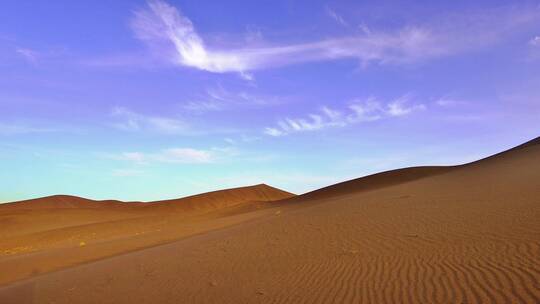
<point x="148" y="100"/>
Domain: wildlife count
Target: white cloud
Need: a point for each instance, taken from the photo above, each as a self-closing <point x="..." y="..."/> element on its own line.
<point x="164" y="27"/>
<point x="43" y="55"/>
<point x="229" y="140"/>
<point x="253" y="34"/>
<point x="185" y="155"/>
<point x="365" y="110"/>
<point x="241" y="139"/>
<point x="163" y="22"/>
<point x="358" y="111"/>
<point x="178" y="155"/>
<point x="17" y="129"/>
<point x="30" y="55"/>
<point x="330" y="12"/>
<point x="448" y="102"/>
<point x="132" y="121"/>
<point x="400" y="107"/>
<point x="172" y="155"/>
<point x="220" y="99"/>
<point x="274" y="132"/>
<point x="364" y="28"/>
<point x="133" y="156"/>
<point x="247" y="76"/>
<point x="203" y="106"/>
<point x="535" y="41"/>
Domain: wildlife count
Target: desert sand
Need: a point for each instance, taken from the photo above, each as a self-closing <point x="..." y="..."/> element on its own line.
<point x="459" y="234"/>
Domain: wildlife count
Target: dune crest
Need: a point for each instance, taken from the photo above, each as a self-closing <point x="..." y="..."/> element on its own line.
<point x="214" y="199"/>
<point x="224" y="198"/>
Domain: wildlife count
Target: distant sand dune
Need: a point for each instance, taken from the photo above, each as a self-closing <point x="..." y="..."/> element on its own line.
<point x="210" y="200"/>
<point x="36" y="232"/>
<point x="461" y="234"/>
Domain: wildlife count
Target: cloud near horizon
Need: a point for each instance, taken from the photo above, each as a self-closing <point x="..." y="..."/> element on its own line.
<point x="18" y="129"/>
<point x="132" y="121"/>
<point x="162" y="25"/>
<point x="358" y="111"/>
<point x="171" y="155"/>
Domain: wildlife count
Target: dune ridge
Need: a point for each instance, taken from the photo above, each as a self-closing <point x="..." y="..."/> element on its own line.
<point x="225" y="198"/>
<point x="398" y="176"/>
<point x="32" y="229"/>
<point x="215" y="199"/>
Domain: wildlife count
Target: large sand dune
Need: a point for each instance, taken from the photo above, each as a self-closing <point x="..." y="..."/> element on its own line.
<point x="461" y="234"/>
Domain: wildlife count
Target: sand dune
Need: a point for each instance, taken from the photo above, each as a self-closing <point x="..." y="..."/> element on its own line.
<point x="57" y="202"/>
<point x="35" y="215"/>
<point x="224" y="198"/>
<point x="461" y="234"/>
<point x="35" y="233"/>
<point x="204" y="201"/>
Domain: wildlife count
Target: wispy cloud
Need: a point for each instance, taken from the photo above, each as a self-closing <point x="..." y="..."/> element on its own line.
<point x="185" y="155"/>
<point x="163" y="23"/>
<point x="241" y="139"/>
<point x="29" y="55"/>
<point x="274" y="131"/>
<point x="42" y="55"/>
<point x="253" y="35"/>
<point x="358" y="111"/>
<point x="219" y="99"/>
<point x="177" y="156"/>
<point x="330" y="12"/>
<point x="200" y="106"/>
<point x="172" y="155"/>
<point x="163" y="26"/>
<point x="449" y="102"/>
<point x="535" y="41"/>
<point x="364" y="28"/>
<point x="399" y="107"/>
<point x="18" y="129"/>
<point x="132" y="121"/>
<point x="136" y="157"/>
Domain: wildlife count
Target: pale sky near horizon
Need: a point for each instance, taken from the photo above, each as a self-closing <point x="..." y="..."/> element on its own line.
<point x="147" y="100"/>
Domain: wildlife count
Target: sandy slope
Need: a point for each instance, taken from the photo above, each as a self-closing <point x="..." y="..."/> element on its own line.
<point x="47" y="234"/>
<point x="465" y="234"/>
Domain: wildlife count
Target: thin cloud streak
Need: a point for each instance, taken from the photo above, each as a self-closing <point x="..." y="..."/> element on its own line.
<point x="17" y="129"/>
<point x="172" y="155"/>
<point x="177" y="155"/>
<point x="358" y="111"/>
<point x="219" y="99"/>
<point x="28" y="54"/>
<point x="330" y="12"/>
<point x="163" y="26"/>
<point x="132" y="121"/>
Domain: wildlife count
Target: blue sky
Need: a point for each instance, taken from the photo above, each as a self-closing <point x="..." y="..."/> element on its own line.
<point x="140" y="100"/>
